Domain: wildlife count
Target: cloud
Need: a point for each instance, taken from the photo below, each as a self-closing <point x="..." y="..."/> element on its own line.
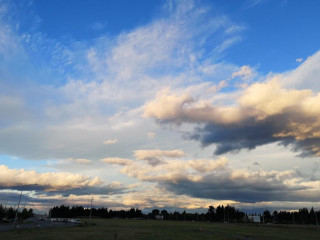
<point x="53" y="183"/>
<point x="151" y="135"/>
<point x="173" y="169"/>
<point x="245" y="73"/>
<point x="8" y="41"/>
<point x="159" y="197"/>
<point x="49" y="181"/>
<point x="204" y="165"/>
<point x="306" y="76"/>
<point x="80" y="160"/>
<point x="42" y="203"/>
<point x="299" y="60"/>
<point x="252" y="3"/>
<point x="13" y="110"/>
<point x="110" y="141"/>
<point x="214" y="179"/>
<point x="166" y="106"/>
<point x="117" y="161"/>
<point x="227" y="44"/>
<point x="264" y="112"/>
<point x="248" y="187"/>
<point x="272" y="114"/>
<point x="155" y="157"/>
<point x="98" y="82"/>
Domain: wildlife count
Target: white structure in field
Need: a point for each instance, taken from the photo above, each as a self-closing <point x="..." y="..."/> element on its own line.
<point x="159" y="217"/>
<point x="251" y="219"/>
<point x="254" y="219"/>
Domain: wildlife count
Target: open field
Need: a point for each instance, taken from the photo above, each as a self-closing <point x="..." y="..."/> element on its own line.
<point x="144" y="229"/>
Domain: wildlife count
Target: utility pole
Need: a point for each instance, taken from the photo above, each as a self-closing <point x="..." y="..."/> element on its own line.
<point x="15" y="219"/>
<point x="91" y="207"/>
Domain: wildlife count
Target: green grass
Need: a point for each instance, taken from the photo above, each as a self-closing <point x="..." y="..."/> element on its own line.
<point x="153" y="230"/>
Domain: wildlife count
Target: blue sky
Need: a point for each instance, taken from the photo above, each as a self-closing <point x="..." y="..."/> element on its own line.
<point x="91" y="19"/>
<point x="286" y="24"/>
<point x="157" y="104"/>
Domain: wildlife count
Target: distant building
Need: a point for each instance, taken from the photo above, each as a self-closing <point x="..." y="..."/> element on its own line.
<point x="251" y="219"/>
<point x="159" y="217"/>
<point x="254" y="219"/>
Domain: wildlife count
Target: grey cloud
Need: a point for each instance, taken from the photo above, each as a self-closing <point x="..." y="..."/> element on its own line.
<point x="155" y="157"/>
<point x="30" y="187"/>
<point x="307" y="147"/>
<point x="35" y="201"/>
<point x="234" y="138"/>
<point x="154" y="161"/>
<point x="103" y="190"/>
<point x="242" y="190"/>
<point x="13" y="110"/>
<point x="11" y="199"/>
<point x="40" y="189"/>
<point x="251" y="133"/>
<point x="226" y="183"/>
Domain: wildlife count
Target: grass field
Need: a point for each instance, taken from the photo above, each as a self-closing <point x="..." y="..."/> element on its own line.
<point x="143" y="229"/>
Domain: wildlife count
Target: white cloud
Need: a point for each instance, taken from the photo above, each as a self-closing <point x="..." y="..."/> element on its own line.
<point x="110" y="141"/>
<point x="168" y="106"/>
<point x="80" y="160"/>
<point x="151" y="135"/>
<point x="9" y="43"/>
<point x="235" y="28"/>
<point x="252" y="3"/>
<point x="270" y="98"/>
<point x="227" y="44"/>
<point x="117" y="161"/>
<point x="306" y="76"/>
<point x="48" y="181"/>
<point x="205" y="166"/>
<point x="287" y="113"/>
<point x="144" y="154"/>
<point x="156" y="156"/>
<point x="245" y="73"/>
<point x="173" y="169"/>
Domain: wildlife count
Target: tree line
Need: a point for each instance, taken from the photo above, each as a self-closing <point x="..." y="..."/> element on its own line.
<point x="302" y="216"/>
<point x="219" y="214"/>
<point x="9" y="213"/>
<point x="79" y="211"/>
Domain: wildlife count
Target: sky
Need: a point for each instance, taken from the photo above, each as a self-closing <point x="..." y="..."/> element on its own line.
<point x="173" y="105"/>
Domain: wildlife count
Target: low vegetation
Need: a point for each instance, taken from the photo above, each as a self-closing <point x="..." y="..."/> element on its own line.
<point x="122" y="229"/>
